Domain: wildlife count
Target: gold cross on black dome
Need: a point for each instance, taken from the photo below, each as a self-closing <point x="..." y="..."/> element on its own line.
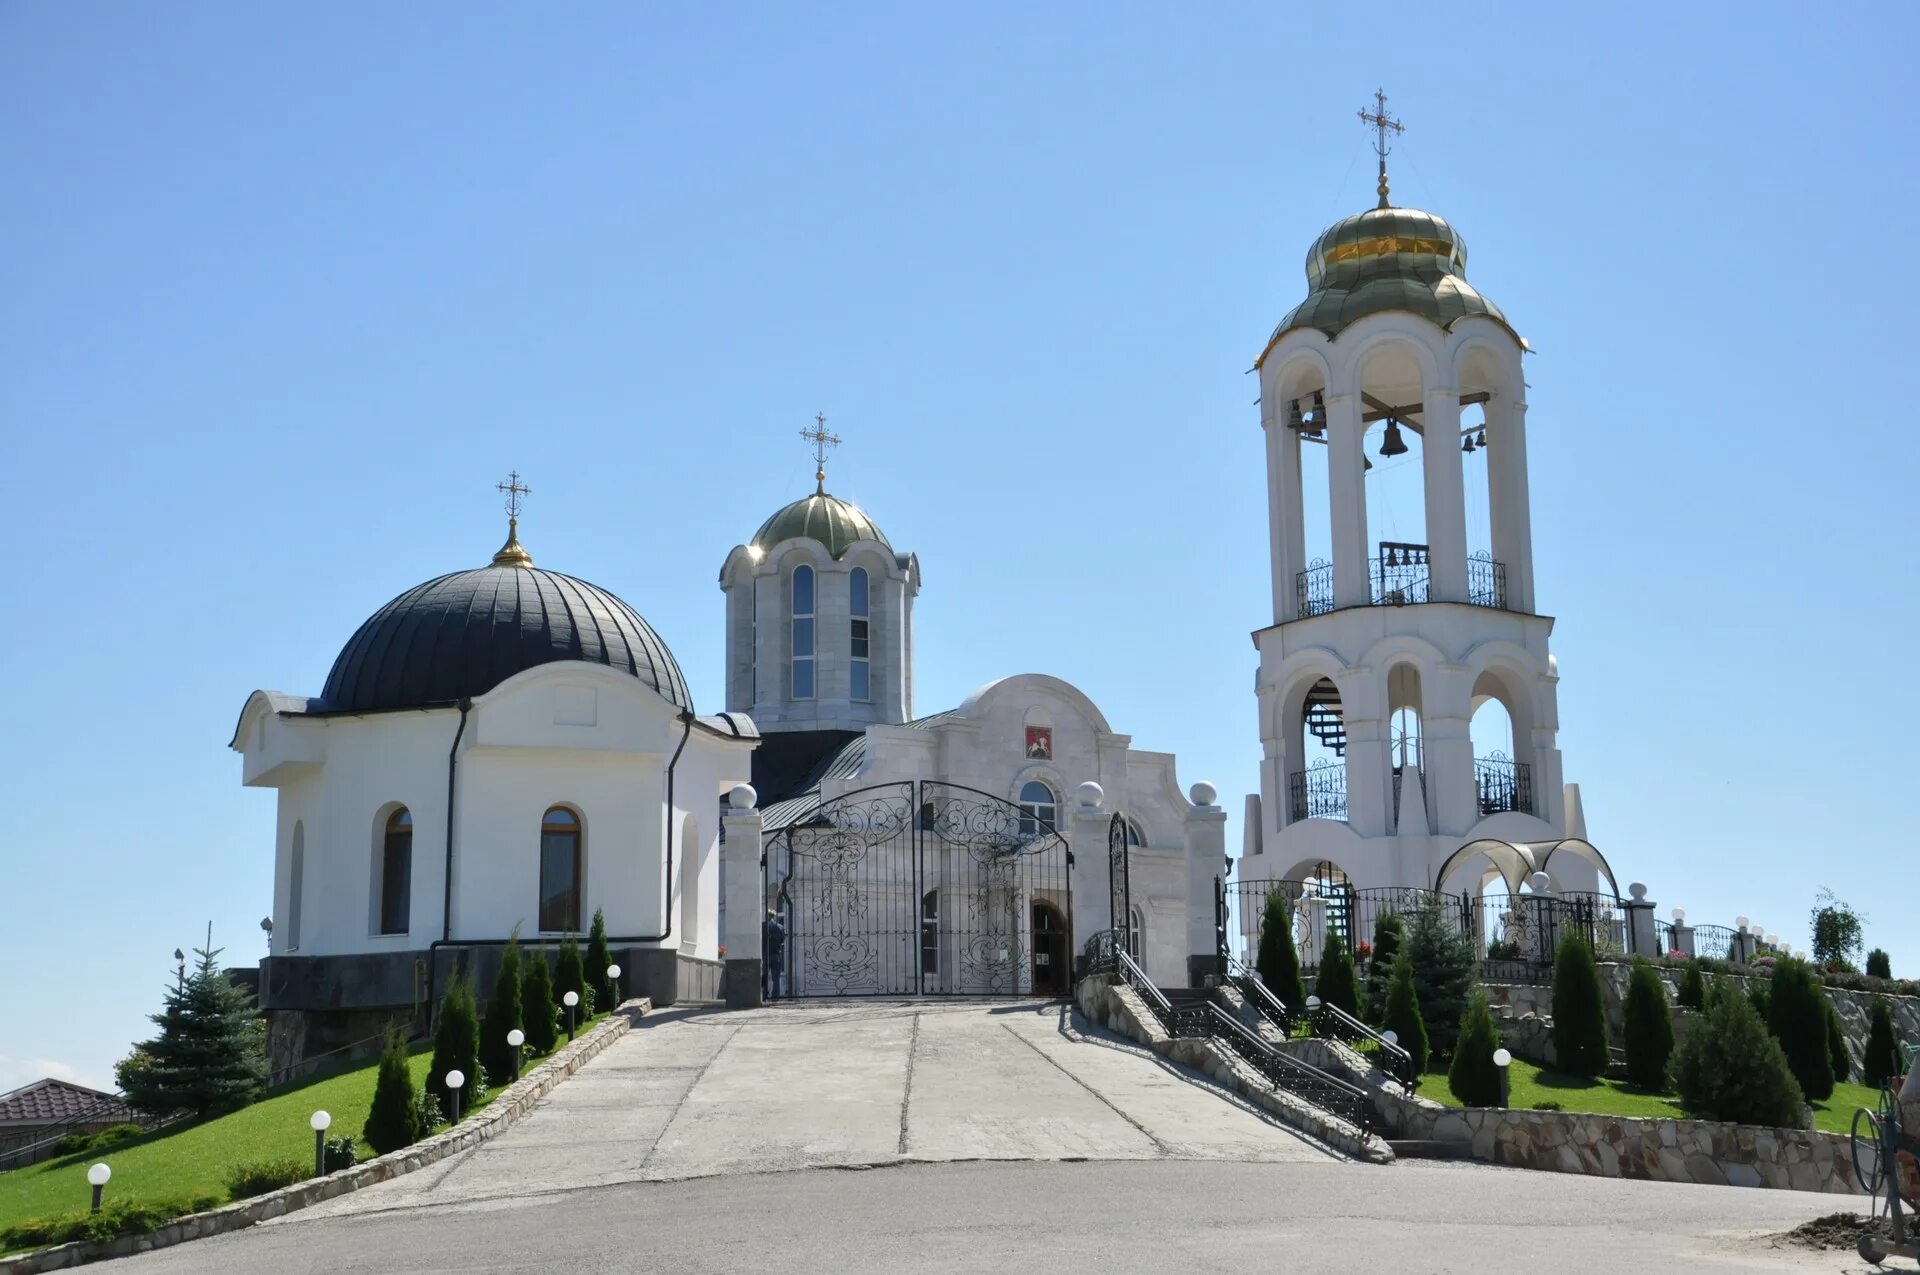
<point x="512" y="553"/>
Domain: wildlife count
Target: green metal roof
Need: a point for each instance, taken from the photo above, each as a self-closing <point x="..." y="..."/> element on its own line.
<point x="828" y="519"/>
<point x="1387" y="259"/>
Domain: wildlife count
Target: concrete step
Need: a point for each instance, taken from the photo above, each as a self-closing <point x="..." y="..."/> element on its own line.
<point x="1429" y="1149"/>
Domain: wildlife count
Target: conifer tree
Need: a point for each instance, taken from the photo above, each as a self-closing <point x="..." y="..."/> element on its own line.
<point x="210" y="1055"/>
<point x="1278" y="963"/>
<point x="1389" y="936"/>
<point x="1882" y="1061"/>
<point x="1693" y="986"/>
<point x="456" y="1040"/>
<point x="1402" y="1013"/>
<point x="1445" y="969"/>
<point x="1837" y="1045"/>
<point x="599" y="957"/>
<point x="1473" y="1076"/>
<point x="1730" y="1068"/>
<point x="1878" y="964"/>
<point x="395" y="1120"/>
<point x="569" y="975"/>
<point x="1335" y="983"/>
<point x="536" y="1004"/>
<point x="1649" y="1028"/>
<point x="503" y="1014"/>
<point x="1579" y="1010"/>
<point x="1797" y="1017"/>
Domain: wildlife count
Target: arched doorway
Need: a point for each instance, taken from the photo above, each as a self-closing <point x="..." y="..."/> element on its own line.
<point x="1051" y="964"/>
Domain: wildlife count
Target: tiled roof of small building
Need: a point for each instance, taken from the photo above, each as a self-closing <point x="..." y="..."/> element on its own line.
<point x="50" y="1101"/>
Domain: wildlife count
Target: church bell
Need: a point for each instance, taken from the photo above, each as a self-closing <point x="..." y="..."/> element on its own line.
<point x="1394" y="444"/>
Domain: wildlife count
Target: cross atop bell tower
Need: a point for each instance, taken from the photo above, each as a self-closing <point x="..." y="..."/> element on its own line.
<point x="1382" y="124"/>
<point x="821" y="440"/>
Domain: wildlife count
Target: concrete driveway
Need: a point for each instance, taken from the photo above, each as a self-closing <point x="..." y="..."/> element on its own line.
<point x="702" y="1092"/>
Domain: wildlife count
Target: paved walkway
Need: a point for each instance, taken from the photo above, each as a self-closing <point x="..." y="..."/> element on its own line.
<point x="699" y="1093"/>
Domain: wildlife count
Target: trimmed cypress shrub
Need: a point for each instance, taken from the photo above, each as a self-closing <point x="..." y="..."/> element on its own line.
<point x="1883" y="1056"/>
<point x="1649" y="1028"/>
<point x="1278" y="963"/>
<point x="1401" y="1016"/>
<point x="1389" y="936"/>
<point x="503" y="1014"/>
<point x="537" y="1014"/>
<point x="1335" y="984"/>
<point x="1579" y="1010"/>
<point x="1730" y="1068"/>
<point x="1445" y="967"/>
<point x="1761" y="999"/>
<point x="569" y="975"/>
<point x="599" y="957"/>
<point x="394" y="1121"/>
<point x="456" y="1039"/>
<point x="1797" y="1016"/>
<point x="1837" y="1045"/>
<point x="1473" y="1076"/>
<point x="1878" y="966"/>
<point x="1693" y="986"/>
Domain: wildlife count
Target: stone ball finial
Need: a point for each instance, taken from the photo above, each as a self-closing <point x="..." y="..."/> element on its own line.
<point x="1542" y="883"/>
<point x="1203" y="793"/>
<point x="1091" y="794"/>
<point x="742" y="797"/>
<point x="1637" y="890"/>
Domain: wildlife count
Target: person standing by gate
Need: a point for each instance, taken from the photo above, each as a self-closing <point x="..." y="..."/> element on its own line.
<point x="775" y="945"/>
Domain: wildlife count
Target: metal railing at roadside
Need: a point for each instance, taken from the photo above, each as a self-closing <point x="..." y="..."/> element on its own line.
<point x="1334" y="1023"/>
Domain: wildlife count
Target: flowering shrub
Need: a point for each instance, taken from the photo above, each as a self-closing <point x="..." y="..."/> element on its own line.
<point x="1363" y="951"/>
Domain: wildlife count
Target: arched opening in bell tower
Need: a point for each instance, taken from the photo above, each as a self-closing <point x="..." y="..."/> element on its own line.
<point x="1404" y="736"/>
<point x="1501" y="730"/>
<point x="1317" y="740"/>
<point x="1392" y="409"/>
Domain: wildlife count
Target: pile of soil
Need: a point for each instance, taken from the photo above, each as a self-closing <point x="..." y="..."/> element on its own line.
<point x="1834" y="1231"/>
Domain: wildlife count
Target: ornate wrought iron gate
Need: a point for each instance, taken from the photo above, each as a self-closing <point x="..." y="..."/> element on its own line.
<point x="923" y="889"/>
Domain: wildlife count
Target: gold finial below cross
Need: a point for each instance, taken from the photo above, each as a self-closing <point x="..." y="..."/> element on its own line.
<point x="821" y="440"/>
<point x="1382" y="124"/>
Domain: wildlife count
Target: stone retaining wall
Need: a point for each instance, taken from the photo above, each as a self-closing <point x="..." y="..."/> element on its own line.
<point x="1119" y="1008"/>
<point x="506" y="1110"/>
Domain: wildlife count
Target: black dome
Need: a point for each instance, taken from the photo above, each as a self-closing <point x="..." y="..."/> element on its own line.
<point x="463" y="634"/>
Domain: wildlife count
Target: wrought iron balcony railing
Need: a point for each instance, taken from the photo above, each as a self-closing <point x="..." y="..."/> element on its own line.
<point x="1318" y="792"/>
<point x="1504" y="784"/>
<point x="1399" y="579"/>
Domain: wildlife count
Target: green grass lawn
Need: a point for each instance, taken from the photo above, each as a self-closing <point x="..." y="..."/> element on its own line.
<point x="1533" y="1086"/>
<point x="195" y="1160"/>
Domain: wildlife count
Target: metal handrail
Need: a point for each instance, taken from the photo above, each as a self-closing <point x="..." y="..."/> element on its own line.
<point x="1305" y="1081"/>
<point x="1269" y="1004"/>
<point x="1350" y="1028"/>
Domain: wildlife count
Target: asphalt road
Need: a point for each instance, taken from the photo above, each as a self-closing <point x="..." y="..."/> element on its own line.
<point x="1157" y="1215"/>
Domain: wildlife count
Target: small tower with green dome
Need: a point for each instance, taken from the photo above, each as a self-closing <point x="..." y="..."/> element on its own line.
<point x="820" y="615"/>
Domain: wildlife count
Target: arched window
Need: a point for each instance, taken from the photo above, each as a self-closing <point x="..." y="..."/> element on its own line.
<point x="1136" y="933"/>
<point x="1036" y="808"/>
<point x="690" y="869"/>
<point x="1135" y="838"/>
<point x="803" y="632"/>
<point x="560" y="871"/>
<point x="393" y="906"/>
<point x="858" y="604"/>
<point x="296" y="872"/>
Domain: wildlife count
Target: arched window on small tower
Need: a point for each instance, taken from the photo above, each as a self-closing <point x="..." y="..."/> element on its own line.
<point x="393" y="878"/>
<point x="560" y="864"/>
<point x="1037" y="806"/>
<point x="803" y="632"/>
<point x="296" y="875"/>
<point x="859" y="606"/>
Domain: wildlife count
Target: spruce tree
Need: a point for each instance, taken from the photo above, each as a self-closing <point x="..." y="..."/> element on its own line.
<point x="1837" y="1045"/>
<point x="503" y="1015"/>
<point x="1730" y="1068"/>
<point x="1335" y="983"/>
<point x="1473" y="1076"/>
<point x="1649" y="1028"/>
<point x="569" y="975"/>
<point x="599" y="957"/>
<point x="536" y="1004"/>
<point x="1878" y="964"/>
<point x="1579" y="1010"/>
<point x="1402" y="1013"/>
<point x="1278" y="963"/>
<point x="210" y="1055"/>
<point x="1389" y="936"/>
<point x="1693" y="986"/>
<point x="456" y="1041"/>
<point x="1797" y="1017"/>
<point x="1445" y="969"/>
<point x="395" y="1119"/>
<point x="1882" y="1061"/>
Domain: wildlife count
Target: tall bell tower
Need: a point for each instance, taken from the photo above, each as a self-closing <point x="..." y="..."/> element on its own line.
<point x="1394" y="408"/>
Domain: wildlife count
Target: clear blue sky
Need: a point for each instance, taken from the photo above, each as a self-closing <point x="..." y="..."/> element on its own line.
<point x="285" y="290"/>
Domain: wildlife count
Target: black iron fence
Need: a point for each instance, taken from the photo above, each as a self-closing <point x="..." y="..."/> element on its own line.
<point x="1713" y="942"/>
<point x="1503" y="784"/>
<point x="1319" y="791"/>
<point x="1399" y="577"/>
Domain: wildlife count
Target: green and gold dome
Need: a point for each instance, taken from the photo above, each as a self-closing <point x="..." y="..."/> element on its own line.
<point x="827" y="519"/>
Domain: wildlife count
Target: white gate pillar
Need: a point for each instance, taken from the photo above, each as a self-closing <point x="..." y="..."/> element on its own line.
<point x="1206" y="863"/>
<point x="742" y="897"/>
